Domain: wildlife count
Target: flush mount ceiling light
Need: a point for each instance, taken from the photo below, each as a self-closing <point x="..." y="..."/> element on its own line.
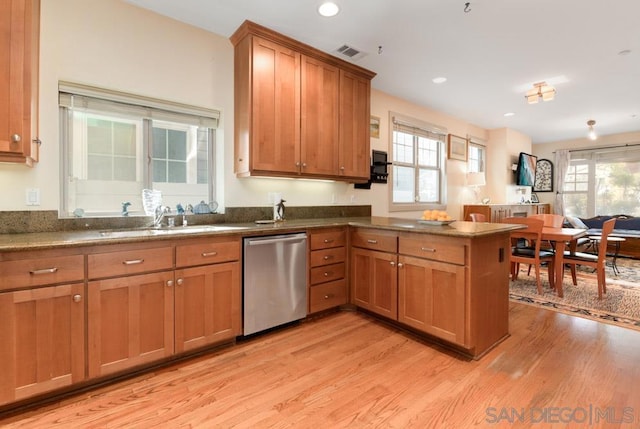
<point x="328" y="9"/>
<point x="592" y="133"/>
<point x="439" y="80"/>
<point x="540" y="91"/>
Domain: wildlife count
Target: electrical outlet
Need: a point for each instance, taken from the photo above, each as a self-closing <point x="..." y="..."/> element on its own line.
<point x="32" y="197"/>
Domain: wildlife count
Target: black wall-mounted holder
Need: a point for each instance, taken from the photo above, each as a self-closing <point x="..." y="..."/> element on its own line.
<point x="378" y="170"/>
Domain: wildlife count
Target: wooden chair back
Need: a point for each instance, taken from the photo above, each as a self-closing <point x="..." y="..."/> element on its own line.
<point x="478" y="217"/>
<point x="552" y="220"/>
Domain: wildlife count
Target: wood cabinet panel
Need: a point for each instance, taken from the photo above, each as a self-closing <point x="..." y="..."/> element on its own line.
<point x="319" y="118"/>
<point x="327" y="273"/>
<point x="207" y="305"/>
<point x="432" y="298"/>
<point x="39" y="269"/>
<point x="126" y="260"/>
<point x="42" y="337"/>
<point x="355" y="93"/>
<point x="444" y="249"/>
<point x="328" y="295"/>
<point x="384" y="241"/>
<point x="19" y="40"/>
<point x="374" y="284"/>
<point x="130" y="321"/>
<point x="208" y="251"/>
<point x="328" y="239"/>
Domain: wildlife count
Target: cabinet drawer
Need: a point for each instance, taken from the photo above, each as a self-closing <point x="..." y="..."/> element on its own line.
<point x="444" y="249"/>
<point x="327" y="273"/>
<point x="327" y="239"/>
<point x="207" y="252"/>
<point x="327" y="256"/>
<point x="125" y="262"/>
<point x="375" y="240"/>
<point x="327" y="295"/>
<point x="41" y="271"/>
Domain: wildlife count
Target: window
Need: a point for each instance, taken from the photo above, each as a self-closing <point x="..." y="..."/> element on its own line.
<point x="115" y="145"/>
<point x="476" y="162"/>
<point x="418" y="159"/>
<point x="605" y="181"/>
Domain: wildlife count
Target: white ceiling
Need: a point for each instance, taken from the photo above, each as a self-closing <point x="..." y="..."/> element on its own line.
<point x="490" y="55"/>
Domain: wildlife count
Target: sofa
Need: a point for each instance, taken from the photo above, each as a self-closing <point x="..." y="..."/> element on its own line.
<point x="626" y="226"/>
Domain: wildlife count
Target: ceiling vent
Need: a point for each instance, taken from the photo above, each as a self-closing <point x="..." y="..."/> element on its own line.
<point x="350" y="52"/>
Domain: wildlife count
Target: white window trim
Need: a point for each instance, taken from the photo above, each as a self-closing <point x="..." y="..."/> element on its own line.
<point x="427" y="126"/>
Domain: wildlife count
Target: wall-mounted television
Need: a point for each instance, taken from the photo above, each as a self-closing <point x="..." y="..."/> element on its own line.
<point x="526" y="171"/>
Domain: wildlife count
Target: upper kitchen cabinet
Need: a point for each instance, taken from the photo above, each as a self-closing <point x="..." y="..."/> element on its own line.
<point x="299" y="112"/>
<point x="19" y="40"/>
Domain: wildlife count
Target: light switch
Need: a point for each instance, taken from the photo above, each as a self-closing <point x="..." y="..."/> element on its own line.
<point x="33" y="197"/>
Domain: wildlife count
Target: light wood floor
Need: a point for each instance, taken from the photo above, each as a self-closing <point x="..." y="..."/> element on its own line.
<point x="348" y="370"/>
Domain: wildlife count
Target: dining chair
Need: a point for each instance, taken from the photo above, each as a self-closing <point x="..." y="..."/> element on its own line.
<point x="530" y="253"/>
<point x="550" y="220"/>
<point x="477" y="217"/>
<point x="597" y="261"/>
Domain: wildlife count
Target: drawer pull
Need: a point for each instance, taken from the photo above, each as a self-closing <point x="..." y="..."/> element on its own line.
<point x="393" y="264"/>
<point x="427" y="249"/>
<point x="43" y="271"/>
<point x="327" y="257"/>
<point x="179" y="282"/>
<point x="328" y="240"/>
<point x="327" y="273"/>
<point x="207" y="254"/>
<point x="169" y="283"/>
<point x="329" y="295"/>
<point x="372" y="241"/>
<point x="133" y="261"/>
<point x="77" y="298"/>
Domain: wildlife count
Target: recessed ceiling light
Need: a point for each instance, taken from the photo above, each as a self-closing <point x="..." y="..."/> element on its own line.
<point x="439" y="79"/>
<point x="328" y="9"/>
<point x="508" y="114"/>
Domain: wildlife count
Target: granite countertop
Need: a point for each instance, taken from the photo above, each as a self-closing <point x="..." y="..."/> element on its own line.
<point x="49" y="240"/>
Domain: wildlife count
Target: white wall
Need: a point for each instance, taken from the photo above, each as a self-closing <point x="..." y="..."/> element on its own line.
<point x="112" y="44"/>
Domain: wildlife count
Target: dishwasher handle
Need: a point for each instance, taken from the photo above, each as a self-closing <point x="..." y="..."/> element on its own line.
<point x="276" y="240"/>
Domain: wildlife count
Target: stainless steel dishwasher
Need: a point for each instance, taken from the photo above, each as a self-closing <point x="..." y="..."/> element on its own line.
<point x="274" y="281"/>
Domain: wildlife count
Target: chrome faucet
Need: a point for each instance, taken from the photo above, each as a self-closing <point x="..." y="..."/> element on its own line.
<point x="160" y="212"/>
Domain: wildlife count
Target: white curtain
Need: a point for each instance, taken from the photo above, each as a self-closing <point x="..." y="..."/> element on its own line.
<point x="562" y="158"/>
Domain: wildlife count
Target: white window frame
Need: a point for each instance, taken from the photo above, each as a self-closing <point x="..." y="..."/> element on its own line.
<point x="477" y="165"/>
<point x="147" y="110"/>
<point x="423" y="129"/>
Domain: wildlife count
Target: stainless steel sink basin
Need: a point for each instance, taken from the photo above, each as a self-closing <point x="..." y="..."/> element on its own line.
<point x="151" y="231"/>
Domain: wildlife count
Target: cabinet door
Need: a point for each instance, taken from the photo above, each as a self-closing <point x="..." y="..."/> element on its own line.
<point x="208" y="305"/>
<point x="354" y="126"/>
<point x="130" y="321"/>
<point x="432" y="297"/>
<point x="19" y="38"/>
<point x="374" y="281"/>
<point x="275" y="108"/>
<point x="42" y="340"/>
<point x="319" y="116"/>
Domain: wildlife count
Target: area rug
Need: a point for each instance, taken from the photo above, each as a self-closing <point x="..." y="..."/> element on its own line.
<point x="619" y="306"/>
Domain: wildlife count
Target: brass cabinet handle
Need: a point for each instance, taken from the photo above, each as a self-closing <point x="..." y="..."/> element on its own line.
<point x="329" y="295"/>
<point x="372" y="241"/>
<point x="77" y="298"/>
<point x="327" y="273"/>
<point x="133" y="261"/>
<point x="427" y="249"/>
<point x="16" y="138"/>
<point x="327" y="257"/>
<point x="207" y="254"/>
<point x="393" y="264"/>
<point x="43" y="271"/>
<point x="328" y="240"/>
<point x="179" y="282"/>
<point x="169" y="283"/>
<point x="400" y="265"/>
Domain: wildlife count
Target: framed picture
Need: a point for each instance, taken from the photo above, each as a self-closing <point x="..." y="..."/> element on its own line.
<point x="534" y="199"/>
<point x="374" y="127"/>
<point x="457" y="148"/>
<point x="544" y="176"/>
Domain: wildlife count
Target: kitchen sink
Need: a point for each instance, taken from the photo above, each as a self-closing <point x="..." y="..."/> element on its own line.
<point x="152" y="231"/>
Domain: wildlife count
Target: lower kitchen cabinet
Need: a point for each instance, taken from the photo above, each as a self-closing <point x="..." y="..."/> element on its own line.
<point x="432" y="297"/>
<point x="130" y="321"/>
<point x="327" y="259"/>
<point x="42" y="346"/>
<point x="374" y="283"/>
<point x="207" y="305"/>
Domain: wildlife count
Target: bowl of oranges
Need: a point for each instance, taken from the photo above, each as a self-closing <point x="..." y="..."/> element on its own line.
<point x="435" y="217"/>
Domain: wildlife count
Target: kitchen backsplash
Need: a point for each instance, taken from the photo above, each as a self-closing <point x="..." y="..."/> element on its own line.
<point x="12" y="222"/>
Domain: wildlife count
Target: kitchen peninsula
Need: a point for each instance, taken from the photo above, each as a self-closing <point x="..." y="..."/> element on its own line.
<point x="448" y="283"/>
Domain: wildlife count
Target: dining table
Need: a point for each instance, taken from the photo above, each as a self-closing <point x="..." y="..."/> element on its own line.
<point x="561" y="238"/>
